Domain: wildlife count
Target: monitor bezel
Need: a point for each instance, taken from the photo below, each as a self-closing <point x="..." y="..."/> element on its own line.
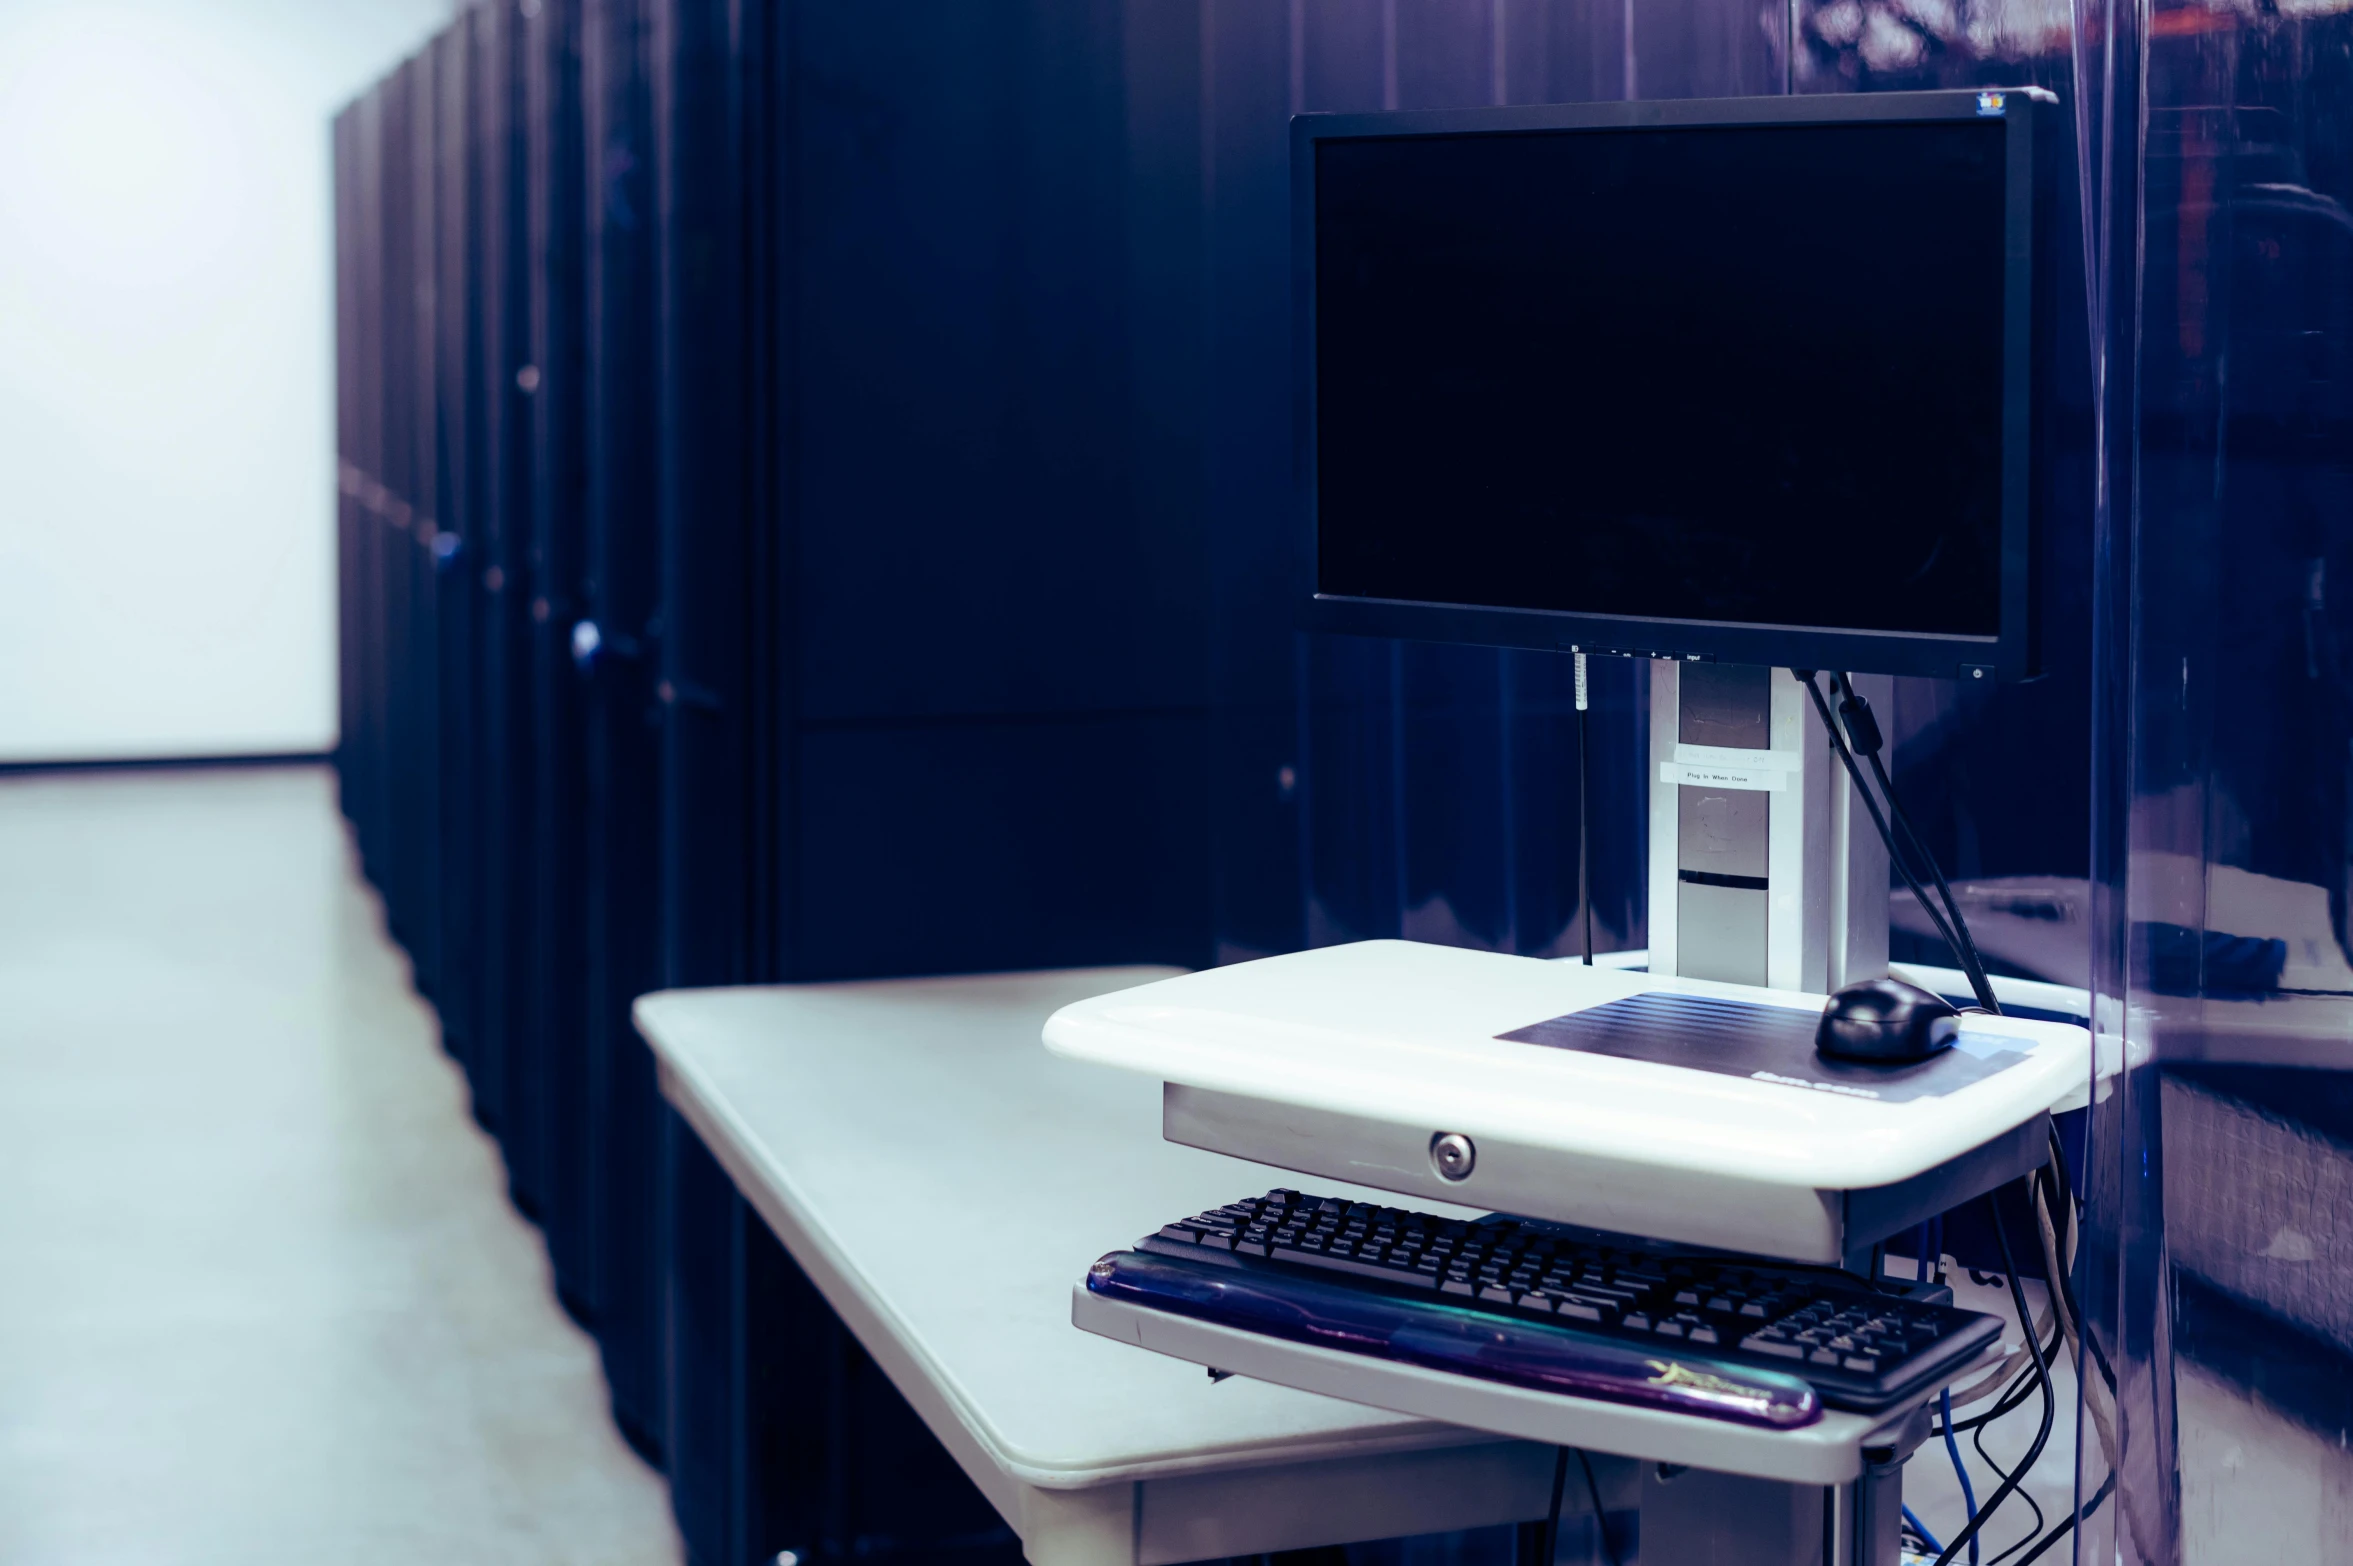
<point x="2008" y="656"/>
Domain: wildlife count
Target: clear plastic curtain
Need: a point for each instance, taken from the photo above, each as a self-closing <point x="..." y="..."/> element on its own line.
<point x="2223" y="1208"/>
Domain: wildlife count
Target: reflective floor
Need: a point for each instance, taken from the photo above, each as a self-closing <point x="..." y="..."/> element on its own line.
<point x="261" y="1294"/>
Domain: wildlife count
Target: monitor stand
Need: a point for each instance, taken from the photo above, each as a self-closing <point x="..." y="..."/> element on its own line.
<point x="1763" y="868"/>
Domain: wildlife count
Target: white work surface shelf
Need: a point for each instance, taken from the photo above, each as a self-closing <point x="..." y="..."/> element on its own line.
<point x="943" y="1182"/>
<point x="1353" y="1058"/>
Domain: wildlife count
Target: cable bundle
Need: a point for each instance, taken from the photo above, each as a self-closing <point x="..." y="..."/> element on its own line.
<point x="2057" y="1220"/>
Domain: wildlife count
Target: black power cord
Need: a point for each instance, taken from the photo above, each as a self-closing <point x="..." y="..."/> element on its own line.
<point x="1895" y="857"/>
<point x="1584" y="809"/>
<point x="1560" y="1479"/>
<point x="1601" y="1516"/>
<point x="1863" y="735"/>
<point x="2042" y="1375"/>
<point x="2035" y="1529"/>
<point x="2067" y="1524"/>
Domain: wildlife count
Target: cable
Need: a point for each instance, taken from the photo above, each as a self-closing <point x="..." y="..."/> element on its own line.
<point x="2064" y="1254"/>
<point x="2059" y="1175"/>
<point x="1895" y="859"/>
<point x="1601" y="1516"/>
<point x="1945" y="1398"/>
<point x="2042" y="1435"/>
<point x="2015" y="1383"/>
<point x="1584" y="809"/>
<point x="1977" y="1440"/>
<point x="1863" y="729"/>
<point x="1920" y="1528"/>
<point x="2067" y="1524"/>
<point x="1972" y="962"/>
<point x="2020" y="1389"/>
<point x="1960" y="1469"/>
<point x="1560" y="1478"/>
<point x="2098" y="1395"/>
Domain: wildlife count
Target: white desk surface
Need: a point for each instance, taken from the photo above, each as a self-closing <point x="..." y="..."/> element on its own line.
<point x="944" y="1181"/>
<point x="1407" y="1033"/>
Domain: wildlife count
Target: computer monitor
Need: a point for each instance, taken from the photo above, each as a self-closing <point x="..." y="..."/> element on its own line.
<point x="1748" y="380"/>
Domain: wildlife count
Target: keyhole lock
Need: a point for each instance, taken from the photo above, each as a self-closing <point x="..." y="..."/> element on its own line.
<point x="1452" y="1155"/>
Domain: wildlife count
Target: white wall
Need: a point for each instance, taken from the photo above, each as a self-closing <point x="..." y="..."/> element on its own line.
<point x="166" y="368"/>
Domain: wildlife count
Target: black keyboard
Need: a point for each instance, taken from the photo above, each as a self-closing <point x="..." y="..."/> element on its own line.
<point x="1860" y="1347"/>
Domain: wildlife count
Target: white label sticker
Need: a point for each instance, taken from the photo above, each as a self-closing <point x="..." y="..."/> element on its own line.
<point x="1762" y="780"/>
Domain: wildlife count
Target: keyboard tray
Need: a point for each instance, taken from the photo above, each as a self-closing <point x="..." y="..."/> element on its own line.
<point x="1828" y="1451"/>
<point x="1525" y="1328"/>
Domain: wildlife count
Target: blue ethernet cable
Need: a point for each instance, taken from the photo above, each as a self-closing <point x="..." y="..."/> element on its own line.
<point x="1960" y="1472"/>
<point x="1931" y="1243"/>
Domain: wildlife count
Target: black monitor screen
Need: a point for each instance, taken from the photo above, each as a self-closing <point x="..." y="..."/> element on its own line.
<point x="1746" y="375"/>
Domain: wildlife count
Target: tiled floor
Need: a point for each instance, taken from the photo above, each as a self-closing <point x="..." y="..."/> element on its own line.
<point x="262" y="1297"/>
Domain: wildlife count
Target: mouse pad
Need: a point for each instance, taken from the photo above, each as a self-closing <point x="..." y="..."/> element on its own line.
<point x="1764" y="1043"/>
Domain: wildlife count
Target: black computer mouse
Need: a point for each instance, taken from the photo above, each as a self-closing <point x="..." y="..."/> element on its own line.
<point x="1885" y="1022"/>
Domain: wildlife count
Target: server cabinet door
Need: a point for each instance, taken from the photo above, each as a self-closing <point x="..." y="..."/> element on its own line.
<point x="500" y="569"/>
<point x="449" y="553"/>
<point x="715" y="389"/>
<point x="548" y="1078"/>
<point x="623" y="714"/>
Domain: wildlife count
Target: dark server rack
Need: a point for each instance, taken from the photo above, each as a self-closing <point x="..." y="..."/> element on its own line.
<point x="618" y="648"/>
<point x="553" y="1071"/>
<point x="396" y="197"/>
<point x="445" y="556"/>
<point x="417" y="752"/>
<point x="350" y="702"/>
<point x="963" y="459"/>
<point x="367" y="776"/>
<point x="766" y="556"/>
<point x="718" y="265"/>
<point x="362" y="746"/>
<point x="498" y="568"/>
<point x="715" y="359"/>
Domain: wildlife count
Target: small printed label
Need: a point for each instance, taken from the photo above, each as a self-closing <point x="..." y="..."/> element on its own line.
<point x="1990" y="103"/>
<point x="1756" y="779"/>
<point x="1847" y="1089"/>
